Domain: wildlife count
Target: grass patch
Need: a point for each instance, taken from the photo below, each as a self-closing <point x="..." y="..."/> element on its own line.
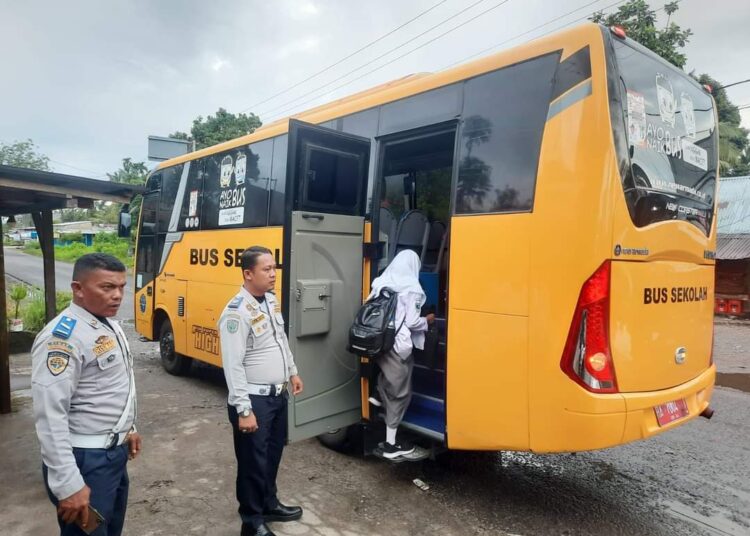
<point x="108" y="243"/>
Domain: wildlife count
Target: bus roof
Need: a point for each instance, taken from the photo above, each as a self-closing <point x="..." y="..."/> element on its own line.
<point x="400" y="88"/>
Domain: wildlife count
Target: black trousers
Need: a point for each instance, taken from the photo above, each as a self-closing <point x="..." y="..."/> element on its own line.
<point x="105" y="472"/>
<point x="258" y="456"/>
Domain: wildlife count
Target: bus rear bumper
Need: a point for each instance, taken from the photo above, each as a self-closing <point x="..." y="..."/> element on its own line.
<point x="640" y="420"/>
<point x="600" y="421"/>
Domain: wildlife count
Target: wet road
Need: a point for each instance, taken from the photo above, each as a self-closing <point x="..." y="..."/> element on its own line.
<point x="693" y="481"/>
<point x="29" y="269"/>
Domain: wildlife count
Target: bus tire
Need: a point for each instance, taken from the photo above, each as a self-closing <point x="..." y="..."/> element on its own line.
<point x="335" y="439"/>
<point x="174" y="363"/>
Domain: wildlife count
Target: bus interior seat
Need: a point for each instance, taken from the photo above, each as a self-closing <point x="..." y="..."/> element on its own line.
<point x="412" y="233"/>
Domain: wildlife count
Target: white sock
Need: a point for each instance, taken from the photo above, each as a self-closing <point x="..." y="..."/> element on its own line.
<point x="390" y="435"/>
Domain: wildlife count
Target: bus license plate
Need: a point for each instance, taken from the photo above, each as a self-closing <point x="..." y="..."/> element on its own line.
<point x="671" y="411"/>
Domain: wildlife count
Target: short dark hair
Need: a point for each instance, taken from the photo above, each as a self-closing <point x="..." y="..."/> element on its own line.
<point x="249" y="257"/>
<point x="96" y="261"/>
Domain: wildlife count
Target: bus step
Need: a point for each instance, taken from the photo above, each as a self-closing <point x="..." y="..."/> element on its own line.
<point x="419" y="454"/>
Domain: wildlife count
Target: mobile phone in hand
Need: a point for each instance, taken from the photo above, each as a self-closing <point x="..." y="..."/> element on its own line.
<point x="95" y="520"/>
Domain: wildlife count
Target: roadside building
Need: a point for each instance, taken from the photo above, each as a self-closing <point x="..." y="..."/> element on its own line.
<point x="733" y="247"/>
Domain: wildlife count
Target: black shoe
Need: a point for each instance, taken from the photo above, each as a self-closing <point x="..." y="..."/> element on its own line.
<point x="261" y="530"/>
<point x="283" y="513"/>
<point x="399" y="449"/>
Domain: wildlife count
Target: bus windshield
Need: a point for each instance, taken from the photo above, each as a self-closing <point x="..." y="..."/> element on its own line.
<point x="672" y="140"/>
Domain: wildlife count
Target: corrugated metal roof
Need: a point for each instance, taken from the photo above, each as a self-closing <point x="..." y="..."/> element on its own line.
<point x="733" y="247"/>
<point x="734" y="205"/>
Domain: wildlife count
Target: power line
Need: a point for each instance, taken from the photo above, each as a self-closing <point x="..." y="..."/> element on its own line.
<point x="734" y="84"/>
<point x="272" y="110"/>
<point x="368" y="45"/>
<point x="529" y="31"/>
<point x="283" y="112"/>
<point x="98" y="174"/>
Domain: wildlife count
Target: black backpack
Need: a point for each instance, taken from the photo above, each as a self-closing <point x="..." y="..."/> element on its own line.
<point x="374" y="328"/>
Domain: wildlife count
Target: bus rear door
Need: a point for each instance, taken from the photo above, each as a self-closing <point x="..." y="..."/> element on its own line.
<point x="322" y="272"/>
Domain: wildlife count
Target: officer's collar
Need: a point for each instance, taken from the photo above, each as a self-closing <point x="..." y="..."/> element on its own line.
<point x="252" y="300"/>
<point x="84" y="315"/>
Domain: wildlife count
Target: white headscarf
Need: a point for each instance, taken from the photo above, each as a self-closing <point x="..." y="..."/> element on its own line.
<point x="401" y="275"/>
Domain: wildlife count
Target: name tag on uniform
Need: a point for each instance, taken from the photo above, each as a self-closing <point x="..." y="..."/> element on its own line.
<point x="260" y="326"/>
<point x="103" y="345"/>
<point x="258" y="319"/>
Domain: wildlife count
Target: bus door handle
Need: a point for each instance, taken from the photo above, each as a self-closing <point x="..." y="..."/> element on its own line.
<point x="150" y="291"/>
<point x="318" y="217"/>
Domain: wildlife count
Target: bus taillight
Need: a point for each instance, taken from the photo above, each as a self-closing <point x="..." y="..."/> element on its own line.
<point x="587" y="358"/>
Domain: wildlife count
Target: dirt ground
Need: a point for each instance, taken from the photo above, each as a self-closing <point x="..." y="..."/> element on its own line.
<point x="693" y="480"/>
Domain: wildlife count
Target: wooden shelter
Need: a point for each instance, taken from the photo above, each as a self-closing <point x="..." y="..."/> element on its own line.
<point x="28" y="191"/>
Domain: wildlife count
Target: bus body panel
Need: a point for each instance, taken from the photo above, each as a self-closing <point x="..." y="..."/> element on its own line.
<point x="487" y="333"/>
<point x="661" y="322"/>
<point x="207" y="263"/>
<point x="571" y="234"/>
<point x="144" y="311"/>
<point x="168" y="290"/>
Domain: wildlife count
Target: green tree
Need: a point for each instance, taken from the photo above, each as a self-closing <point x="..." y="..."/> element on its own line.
<point x="23" y="154"/>
<point x="130" y="173"/>
<point x="639" y="21"/>
<point x="222" y="127"/>
<point x="734" y="146"/>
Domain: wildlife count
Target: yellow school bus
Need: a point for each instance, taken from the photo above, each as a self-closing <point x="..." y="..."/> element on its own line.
<point x="561" y="196"/>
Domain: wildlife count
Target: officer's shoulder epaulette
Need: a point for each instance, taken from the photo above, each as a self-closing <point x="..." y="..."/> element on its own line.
<point x="64" y="327"/>
<point x="235" y="303"/>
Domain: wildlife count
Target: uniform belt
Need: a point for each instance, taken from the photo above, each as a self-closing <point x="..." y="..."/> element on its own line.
<point x="97" y="441"/>
<point x="267" y="390"/>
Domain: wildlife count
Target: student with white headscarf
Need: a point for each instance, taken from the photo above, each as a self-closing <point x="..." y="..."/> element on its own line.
<point x="394" y="382"/>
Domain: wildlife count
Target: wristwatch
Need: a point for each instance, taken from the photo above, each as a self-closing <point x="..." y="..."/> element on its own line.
<point x="246" y="413"/>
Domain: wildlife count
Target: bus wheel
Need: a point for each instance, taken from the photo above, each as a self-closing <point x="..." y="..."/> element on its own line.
<point x="173" y="362"/>
<point x="335" y="439"/>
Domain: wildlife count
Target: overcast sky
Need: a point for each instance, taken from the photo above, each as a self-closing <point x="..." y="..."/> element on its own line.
<point x="88" y="81"/>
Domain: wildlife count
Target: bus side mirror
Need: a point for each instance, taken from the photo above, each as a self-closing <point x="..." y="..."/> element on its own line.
<point x="123" y="224"/>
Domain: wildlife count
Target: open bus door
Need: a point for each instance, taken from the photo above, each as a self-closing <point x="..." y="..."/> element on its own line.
<point x="146" y="263"/>
<point x="322" y="272"/>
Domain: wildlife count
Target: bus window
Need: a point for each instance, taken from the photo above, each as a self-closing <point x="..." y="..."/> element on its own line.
<point x="503" y="122"/>
<point x="146" y="252"/>
<point x="278" y="181"/>
<point x="672" y="141"/>
<point x="421" y="110"/>
<point x="329" y="181"/>
<point x="235" y="192"/>
<point x="192" y="198"/>
<point x="170" y="183"/>
<point x="363" y="124"/>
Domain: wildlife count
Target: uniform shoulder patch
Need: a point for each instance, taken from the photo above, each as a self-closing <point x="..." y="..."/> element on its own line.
<point x="233" y="324"/>
<point x="64" y="327"/>
<point x="235" y="303"/>
<point x="57" y="362"/>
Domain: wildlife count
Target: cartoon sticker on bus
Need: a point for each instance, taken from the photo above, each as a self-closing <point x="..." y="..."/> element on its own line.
<point x="240" y="167"/>
<point x="226" y="171"/>
<point x="688" y="114"/>
<point x="665" y="96"/>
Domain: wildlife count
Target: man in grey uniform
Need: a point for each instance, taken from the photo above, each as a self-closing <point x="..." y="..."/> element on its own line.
<point x="83" y="389"/>
<point x="258" y="366"/>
